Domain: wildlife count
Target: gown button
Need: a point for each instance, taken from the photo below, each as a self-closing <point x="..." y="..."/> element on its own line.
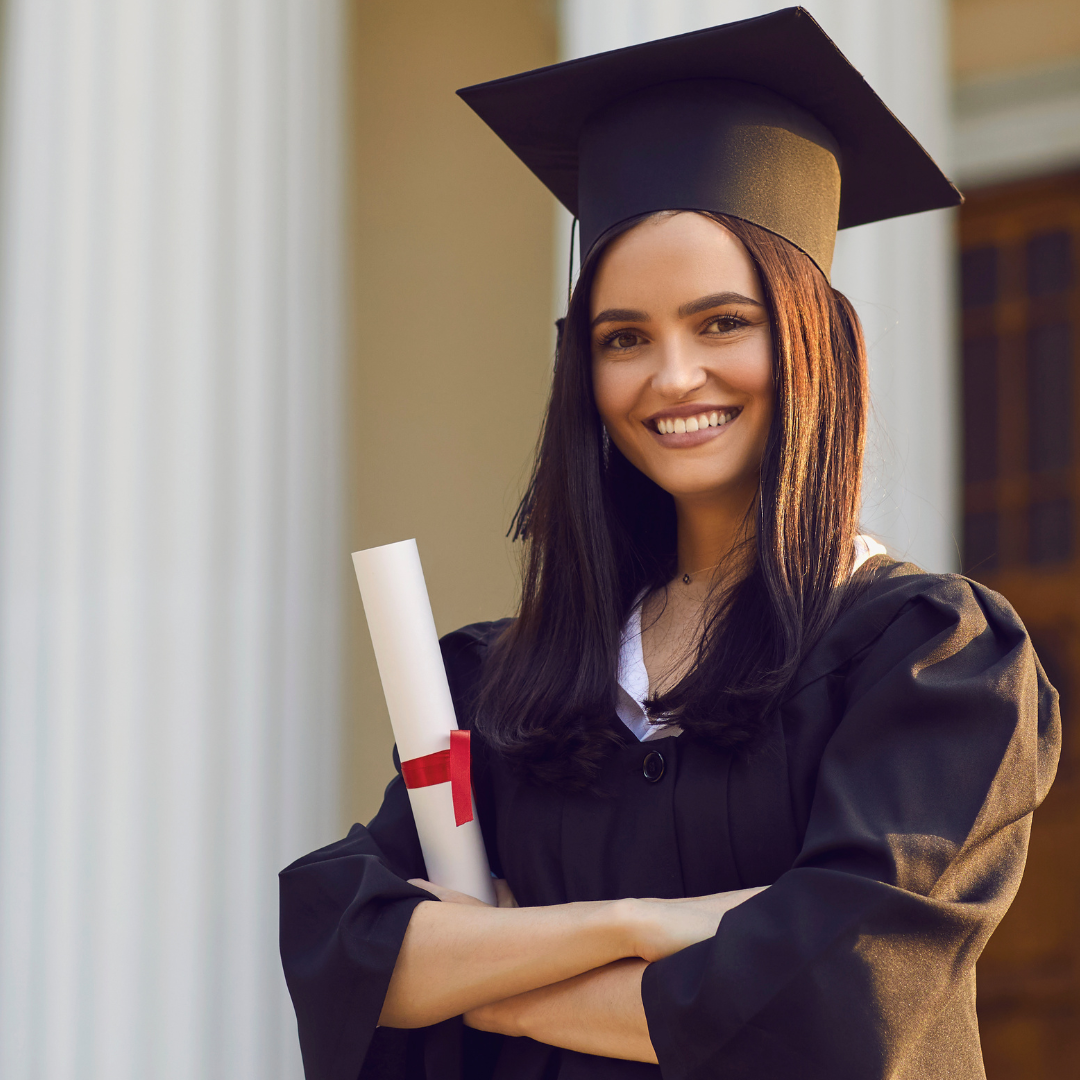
<point x="653" y="767"/>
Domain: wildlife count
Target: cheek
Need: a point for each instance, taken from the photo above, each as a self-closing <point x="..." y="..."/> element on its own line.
<point x="759" y="379"/>
<point x="612" y="392"/>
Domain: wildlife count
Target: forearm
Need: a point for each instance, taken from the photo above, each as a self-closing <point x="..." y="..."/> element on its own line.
<point x="456" y="957"/>
<point x="599" y="1012"/>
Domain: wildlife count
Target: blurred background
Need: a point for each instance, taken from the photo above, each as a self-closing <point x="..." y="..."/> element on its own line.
<point x="269" y="293"/>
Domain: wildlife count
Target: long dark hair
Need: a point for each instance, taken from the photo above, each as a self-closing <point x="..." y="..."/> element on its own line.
<point x="597" y="532"/>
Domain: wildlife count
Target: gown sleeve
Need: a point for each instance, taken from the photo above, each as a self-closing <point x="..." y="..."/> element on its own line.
<point x="344" y="911"/>
<point x="859" y="961"/>
<point x="343" y="914"/>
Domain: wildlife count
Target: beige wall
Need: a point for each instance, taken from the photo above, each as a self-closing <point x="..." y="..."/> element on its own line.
<point x="450" y="320"/>
<point x="995" y="37"/>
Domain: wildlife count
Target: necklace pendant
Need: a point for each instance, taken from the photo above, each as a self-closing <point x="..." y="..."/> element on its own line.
<point x="686" y="579"/>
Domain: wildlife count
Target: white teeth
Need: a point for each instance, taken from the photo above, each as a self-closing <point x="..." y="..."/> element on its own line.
<point x="667" y="426"/>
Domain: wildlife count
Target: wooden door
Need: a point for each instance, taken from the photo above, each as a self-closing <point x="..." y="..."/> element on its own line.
<point x="1020" y="295"/>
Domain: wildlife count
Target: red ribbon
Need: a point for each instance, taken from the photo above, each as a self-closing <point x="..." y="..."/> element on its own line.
<point x="453" y="766"/>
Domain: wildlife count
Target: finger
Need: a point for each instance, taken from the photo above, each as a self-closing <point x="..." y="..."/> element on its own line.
<point x="448" y="896"/>
<point x="430" y="886"/>
<point x="504" y="897"/>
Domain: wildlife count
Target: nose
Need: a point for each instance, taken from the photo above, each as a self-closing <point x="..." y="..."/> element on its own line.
<point x="679" y="370"/>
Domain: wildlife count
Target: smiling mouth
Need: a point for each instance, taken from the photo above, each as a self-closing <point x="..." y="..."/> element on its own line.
<point x="671" y="425"/>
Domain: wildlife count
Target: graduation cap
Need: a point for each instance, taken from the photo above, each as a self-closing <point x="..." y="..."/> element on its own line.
<point x="763" y="119"/>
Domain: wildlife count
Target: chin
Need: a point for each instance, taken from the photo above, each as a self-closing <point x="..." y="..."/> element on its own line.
<point x="713" y="488"/>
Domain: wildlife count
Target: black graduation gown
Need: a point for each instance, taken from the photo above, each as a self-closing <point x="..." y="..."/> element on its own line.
<point x="888" y="810"/>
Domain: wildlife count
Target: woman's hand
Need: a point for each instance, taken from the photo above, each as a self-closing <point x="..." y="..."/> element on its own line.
<point x="663" y="927"/>
<point x="503" y="895"/>
<point x="504" y="898"/>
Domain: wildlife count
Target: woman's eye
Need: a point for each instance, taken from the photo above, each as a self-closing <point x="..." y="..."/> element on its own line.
<point x="724" y="324"/>
<point x="623" y="339"/>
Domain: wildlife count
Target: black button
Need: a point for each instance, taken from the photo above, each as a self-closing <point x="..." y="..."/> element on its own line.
<point x="653" y="767"/>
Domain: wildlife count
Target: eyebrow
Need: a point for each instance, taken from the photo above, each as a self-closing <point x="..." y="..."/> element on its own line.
<point x="716" y="300"/>
<point x="618" y="314"/>
<point x="693" y="307"/>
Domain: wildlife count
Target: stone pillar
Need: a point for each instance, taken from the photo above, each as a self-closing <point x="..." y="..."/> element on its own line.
<point x="170" y="547"/>
<point x="898" y="273"/>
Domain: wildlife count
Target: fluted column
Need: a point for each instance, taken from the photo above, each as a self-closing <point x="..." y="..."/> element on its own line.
<point x="898" y="273"/>
<point x="170" y="552"/>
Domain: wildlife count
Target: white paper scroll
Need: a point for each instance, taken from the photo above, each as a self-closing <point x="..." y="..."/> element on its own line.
<point x="421" y="710"/>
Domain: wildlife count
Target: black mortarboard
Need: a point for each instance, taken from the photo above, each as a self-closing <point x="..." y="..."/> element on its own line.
<point x="763" y="119"/>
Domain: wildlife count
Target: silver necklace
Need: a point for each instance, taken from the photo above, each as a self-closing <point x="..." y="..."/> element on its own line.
<point x="693" y="573"/>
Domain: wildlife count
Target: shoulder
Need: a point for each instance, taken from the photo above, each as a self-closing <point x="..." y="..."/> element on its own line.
<point x="897" y="609"/>
<point x="943" y="659"/>
<point x="895" y="589"/>
<point x="946" y="636"/>
<point x="472" y="641"/>
<point x="463" y="652"/>
<point x="887" y="579"/>
<point x="947" y="612"/>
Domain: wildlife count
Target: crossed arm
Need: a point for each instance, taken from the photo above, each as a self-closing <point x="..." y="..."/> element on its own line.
<point x="568" y="975"/>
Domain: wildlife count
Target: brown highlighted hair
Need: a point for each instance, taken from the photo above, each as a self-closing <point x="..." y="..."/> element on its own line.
<point x="598" y="532"/>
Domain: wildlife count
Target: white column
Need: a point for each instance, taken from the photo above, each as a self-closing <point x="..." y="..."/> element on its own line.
<point x="170" y="552"/>
<point x="898" y="273"/>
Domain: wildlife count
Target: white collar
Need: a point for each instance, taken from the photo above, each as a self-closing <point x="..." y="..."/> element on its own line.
<point x="866" y="547"/>
<point x="633" y="686"/>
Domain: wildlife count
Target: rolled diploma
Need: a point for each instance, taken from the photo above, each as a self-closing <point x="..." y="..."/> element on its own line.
<point x="421" y="710"/>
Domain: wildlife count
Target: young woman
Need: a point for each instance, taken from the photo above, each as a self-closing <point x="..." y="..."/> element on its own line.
<point x="757" y="795"/>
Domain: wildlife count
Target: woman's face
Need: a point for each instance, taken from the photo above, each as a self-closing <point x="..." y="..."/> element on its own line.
<point x="682" y="356"/>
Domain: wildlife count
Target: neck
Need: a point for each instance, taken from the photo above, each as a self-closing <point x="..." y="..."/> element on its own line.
<point x="709" y="530"/>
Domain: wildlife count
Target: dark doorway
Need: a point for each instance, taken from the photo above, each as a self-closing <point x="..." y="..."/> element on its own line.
<point x="1020" y="295"/>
